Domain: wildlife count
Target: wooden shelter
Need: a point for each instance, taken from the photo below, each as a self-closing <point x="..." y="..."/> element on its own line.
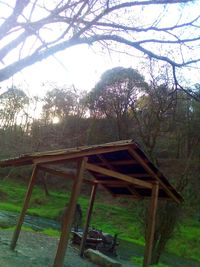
<point x="121" y="167"/>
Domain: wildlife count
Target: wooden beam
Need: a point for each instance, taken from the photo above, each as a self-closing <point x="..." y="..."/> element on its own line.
<point x="69" y="215"/>
<point x="153" y="174"/>
<point x="151" y="225"/>
<point x="117" y="186"/>
<point x="140" y="175"/>
<point x="62" y="173"/>
<point x="110" y="166"/>
<point x="57" y="172"/>
<point x="135" y="175"/>
<point x="119" y="162"/>
<point x="118" y="175"/>
<point x="24" y="208"/>
<point x="126" y="196"/>
<point x="134" y="192"/>
<point x="44" y="182"/>
<point x="78" y="154"/>
<point x="105" y="162"/>
<point x="111" y="182"/>
<point x="88" y="217"/>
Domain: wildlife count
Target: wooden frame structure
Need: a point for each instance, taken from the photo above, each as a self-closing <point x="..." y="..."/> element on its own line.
<point x="121" y="168"/>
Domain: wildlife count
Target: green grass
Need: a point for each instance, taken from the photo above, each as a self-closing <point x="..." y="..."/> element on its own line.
<point x="109" y="217"/>
<point x="186" y="241"/>
<point x="139" y="262"/>
<point x="51" y="232"/>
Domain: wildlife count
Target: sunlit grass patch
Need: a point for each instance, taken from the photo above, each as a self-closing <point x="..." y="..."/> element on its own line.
<point x="51" y="232"/>
<point x="10" y="206"/>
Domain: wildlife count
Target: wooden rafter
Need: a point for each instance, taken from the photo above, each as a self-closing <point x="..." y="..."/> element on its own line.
<point x="134" y="191"/>
<point x="57" y="172"/>
<point x="152" y="173"/>
<point x="111" y="182"/>
<point x="62" y="173"/>
<point x="120" y="162"/>
<point x="110" y="166"/>
<point x="105" y="162"/>
<point x="118" y="175"/>
<point x="136" y="175"/>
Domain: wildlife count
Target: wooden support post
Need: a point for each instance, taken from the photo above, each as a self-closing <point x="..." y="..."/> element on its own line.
<point x="68" y="216"/>
<point x="24" y="208"/>
<point x="151" y="225"/>
<point x="87" y="222"/>
<point x="44" y="181"/>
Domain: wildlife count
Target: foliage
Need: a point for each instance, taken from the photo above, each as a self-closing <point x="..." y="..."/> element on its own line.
<point x="62" y="102"/>
<point x="114" y="95"/>
<point x="152" y="114"/>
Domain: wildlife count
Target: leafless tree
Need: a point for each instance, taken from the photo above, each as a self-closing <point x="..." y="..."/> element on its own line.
<point x="32" y="30"/>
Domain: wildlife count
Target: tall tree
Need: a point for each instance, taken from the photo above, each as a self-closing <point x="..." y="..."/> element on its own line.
<point x="13" y="121"/>
<point x="115" y="94"/>
<point x="68" y="107"/>
<point x="152" y="114"/>
<point x="31" y="31"/>
<point x="59" y="103"/>
<point x="12" y="107"/>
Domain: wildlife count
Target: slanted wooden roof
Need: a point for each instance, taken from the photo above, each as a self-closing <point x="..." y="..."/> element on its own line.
<point x="121" y="167"/>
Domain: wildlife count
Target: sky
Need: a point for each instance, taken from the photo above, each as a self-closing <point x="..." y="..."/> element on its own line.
<point x="81" y="66"/>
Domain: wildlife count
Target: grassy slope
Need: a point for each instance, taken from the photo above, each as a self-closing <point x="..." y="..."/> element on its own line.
<point x="106" y="216"/>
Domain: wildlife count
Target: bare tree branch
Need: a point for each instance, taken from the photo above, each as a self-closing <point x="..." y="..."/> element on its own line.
<point x="91" y="21"/>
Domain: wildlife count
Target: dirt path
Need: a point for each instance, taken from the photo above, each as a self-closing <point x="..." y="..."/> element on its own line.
<point x="37" y="250"/>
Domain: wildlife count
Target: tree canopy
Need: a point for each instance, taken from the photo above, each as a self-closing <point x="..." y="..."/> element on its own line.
<point x="31" y="31"/>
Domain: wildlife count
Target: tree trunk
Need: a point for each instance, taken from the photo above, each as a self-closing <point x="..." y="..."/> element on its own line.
<point x="168" y="215"/>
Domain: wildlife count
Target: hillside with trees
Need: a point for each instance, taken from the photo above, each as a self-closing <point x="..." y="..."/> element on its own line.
<point x="122" y="105"/>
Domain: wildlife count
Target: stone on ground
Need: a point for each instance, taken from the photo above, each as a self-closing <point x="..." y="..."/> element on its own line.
<point x="100" y="259"/>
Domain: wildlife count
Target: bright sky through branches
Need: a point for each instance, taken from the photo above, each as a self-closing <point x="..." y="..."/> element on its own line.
<point x="82" y="65"/>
